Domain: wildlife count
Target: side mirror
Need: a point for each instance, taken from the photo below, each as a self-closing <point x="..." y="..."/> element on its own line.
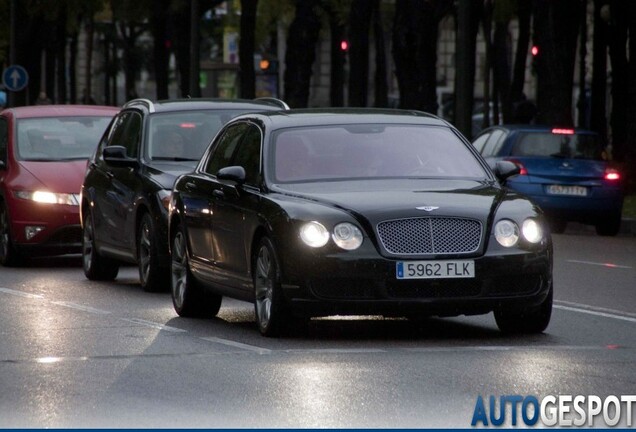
<point x="505" y="169"/>
<point x="232" y="173"/>
<point x="116" y="156"/>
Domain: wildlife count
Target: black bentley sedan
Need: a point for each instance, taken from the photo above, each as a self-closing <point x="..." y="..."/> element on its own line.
<point x="339" y="212"/>
<point x="126" y="188"/>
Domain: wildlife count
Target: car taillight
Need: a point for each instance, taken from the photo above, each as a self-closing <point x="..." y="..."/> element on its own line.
<point x="563" y="131"/>
<point x="612" y="174"/>
<point x="522" y="169"/>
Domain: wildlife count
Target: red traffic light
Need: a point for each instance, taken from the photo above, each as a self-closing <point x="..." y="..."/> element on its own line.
<point x="534" y="50"/>
<point x="344" y="45"/>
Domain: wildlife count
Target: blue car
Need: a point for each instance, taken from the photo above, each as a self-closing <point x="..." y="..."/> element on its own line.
<point x="565" y="171"/>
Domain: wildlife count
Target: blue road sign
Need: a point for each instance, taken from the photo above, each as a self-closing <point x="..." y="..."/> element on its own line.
<point x="15" y="78"/>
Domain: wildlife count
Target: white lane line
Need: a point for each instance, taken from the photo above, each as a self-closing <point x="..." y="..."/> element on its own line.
<point x="506" y="348"/>
<point x="154" y="325"/>
<point x="238" y="345"/>
<point x="81" y="307"/>
<point x="596" y="312"/>
<point x="21" y="294"/>
<point x="607" y="265"/>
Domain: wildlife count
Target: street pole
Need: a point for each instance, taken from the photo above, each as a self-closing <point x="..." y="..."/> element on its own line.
<point x="12" y="47"/>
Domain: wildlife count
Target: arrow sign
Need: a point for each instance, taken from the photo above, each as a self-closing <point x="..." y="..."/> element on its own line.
<point x="15" y="78"/>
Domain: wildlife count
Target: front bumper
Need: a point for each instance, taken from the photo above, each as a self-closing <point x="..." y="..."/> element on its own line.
<point x="60" y="230"/>
<point x="333" y="285"/>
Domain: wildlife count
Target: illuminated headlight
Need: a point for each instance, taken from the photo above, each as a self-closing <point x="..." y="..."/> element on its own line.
<point x="532" y="231"/>
<point x="314" y="234"/>
<point x="347" y="236"/>
<point x="507" y="233"/>
<point x="45" y="197"/>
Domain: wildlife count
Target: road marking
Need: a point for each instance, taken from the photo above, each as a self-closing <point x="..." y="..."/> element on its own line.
<point x="602" y="312"/>
<point x="154" y="325"/>
<point x="607" y="265"/>
<point x="81" y="307"/>
<point x="238" y="345"/>
<point x="21" y="293"/>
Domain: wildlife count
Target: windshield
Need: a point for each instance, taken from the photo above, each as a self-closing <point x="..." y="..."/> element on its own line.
<point x="184" y="135"/>
<point x="371" y="152"/>
<point x="546" y="144"/>
<point x="58" y="139"/>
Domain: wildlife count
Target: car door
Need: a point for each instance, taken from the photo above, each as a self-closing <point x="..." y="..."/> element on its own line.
<point x="117" y="187"/>
<point x="197" y="197"/>
<point x="234" y="210"/>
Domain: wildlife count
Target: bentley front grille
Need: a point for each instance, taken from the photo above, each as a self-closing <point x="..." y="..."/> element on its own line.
<point x="429" y="236"/>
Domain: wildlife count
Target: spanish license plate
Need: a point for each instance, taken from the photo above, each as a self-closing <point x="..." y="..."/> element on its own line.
<point x="435" y="269"/>
<point x="567" y="190"/>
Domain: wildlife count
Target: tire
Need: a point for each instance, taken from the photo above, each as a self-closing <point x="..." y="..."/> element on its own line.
<point x="188" y="297"/>
<point x="272" y="316"/>
<point x="530" y="321"/>
<point x="96" y="267"/>
<point x="152" y="277"/>
<point x="609" y="227"/>
<point x="9" y="256"/>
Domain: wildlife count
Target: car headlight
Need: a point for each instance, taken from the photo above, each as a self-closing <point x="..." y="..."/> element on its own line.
<point x="507" y="233"/>
<point x="314" y="234"/>
<point x="347" y="236"/>
<point x="532" y="231"/>
<point x="45" y="197"/>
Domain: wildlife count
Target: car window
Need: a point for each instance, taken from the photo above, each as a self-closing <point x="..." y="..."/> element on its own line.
<point x="371" y="151"/>
<point x="184" y="135"/>
<point x="58" y="138"/>
<point x="224" y="149"/>
<point x="4" y="137"/>
<point x="481" y="141"/>
<point x="559" y="145"/>
<point x="248" y="155"/>
<point x="127" y="132"/>
<point x="494" y="143"/>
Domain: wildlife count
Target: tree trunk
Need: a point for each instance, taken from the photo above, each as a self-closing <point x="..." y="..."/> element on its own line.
<point x="468" y="14"/>
<point x="524" y="14"/>
<point x="301" y="53"/>
<point x="381" y="87"/>
<point x="337" y="35"/>
<point x="88" y="71"/>
<point x="598" y="116"/>
<point x="415" y="30"/>
<point x="556" y="36"/>
<point x="359" y="25"/>
<point x="161" y="57"/>
<point x="246" y="48"/>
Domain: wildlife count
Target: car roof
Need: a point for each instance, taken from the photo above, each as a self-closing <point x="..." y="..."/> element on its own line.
<point x="172" y="105"/>
<point x="323" y="116"/>
<point x="537" y="128"/>
<point x="37" y="111"/>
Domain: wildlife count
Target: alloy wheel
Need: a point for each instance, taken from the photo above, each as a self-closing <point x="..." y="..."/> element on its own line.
<point x="144" y="252"/>
<point x="179" y="269"/>
<point x="263" y="284"/>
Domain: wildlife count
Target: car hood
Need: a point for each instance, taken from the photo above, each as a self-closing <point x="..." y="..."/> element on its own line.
<point x="564" y="169"/>
<point x="380" y="200"/>
<point x="166" y="172"/>
<point x="57" y="176"/>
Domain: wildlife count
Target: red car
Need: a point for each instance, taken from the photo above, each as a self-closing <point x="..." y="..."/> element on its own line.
<point x="43" y="156"/>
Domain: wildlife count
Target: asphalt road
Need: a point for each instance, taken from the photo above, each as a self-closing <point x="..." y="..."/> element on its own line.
<point x="75" y="353"/>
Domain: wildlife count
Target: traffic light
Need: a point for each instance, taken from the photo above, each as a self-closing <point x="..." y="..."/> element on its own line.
<point x="344" y="45"/>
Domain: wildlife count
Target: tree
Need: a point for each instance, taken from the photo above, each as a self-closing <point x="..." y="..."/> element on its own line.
<point x="556" y="37"/>
<point x="415" y="30"/>
<point x="246" y="48"/>
<point x="300" y="56"/>
<point x="359" y="25"/>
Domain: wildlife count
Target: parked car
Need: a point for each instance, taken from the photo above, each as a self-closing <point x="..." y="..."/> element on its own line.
<point x="126" y="190"/>
<point x="43" y="154"/>
<point x="565" y="171"/>
<point x="322" y="212"/>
